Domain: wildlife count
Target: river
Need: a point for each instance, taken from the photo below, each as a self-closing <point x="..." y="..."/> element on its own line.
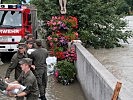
<point x="119" y="60"/>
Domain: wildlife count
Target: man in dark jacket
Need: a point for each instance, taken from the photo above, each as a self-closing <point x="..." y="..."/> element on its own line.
<point x="27" y="79"/>
<point x="39" y="60"/>
<point x="14" y="65"/>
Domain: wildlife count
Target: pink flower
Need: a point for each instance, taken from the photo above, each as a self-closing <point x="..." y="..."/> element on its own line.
<point x="76" y="34"/>
<point x="54" y="23"/>
<point x="48" y="23"/>
<point x="59" y="22"/>
<point x="63" y="25"/>
<point x="49" y="38"/>
<point x="55" y="39"/>
<point x="53" y="17"/>
<point x="59" y="17"/>
<point x="62" y="17"/>
<point x="56" y="73"/>
<point x="51" y="44"/>
<point x="53" y="33"/>
<point x="54" y="28"/>
<point x="56" y="17"/>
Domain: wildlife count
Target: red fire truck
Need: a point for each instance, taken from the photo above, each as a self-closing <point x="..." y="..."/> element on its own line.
<point x="15" y="20"/>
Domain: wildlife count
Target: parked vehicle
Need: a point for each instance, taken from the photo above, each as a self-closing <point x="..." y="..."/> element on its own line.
<point x="15" y="20"/>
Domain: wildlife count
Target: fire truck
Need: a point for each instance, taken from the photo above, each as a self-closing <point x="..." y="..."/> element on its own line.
<point x="15" y="20"/>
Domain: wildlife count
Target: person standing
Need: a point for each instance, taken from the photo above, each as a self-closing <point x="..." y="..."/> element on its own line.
<point x="29" y="47"/>
<point x="29" y="44"/>
<point x="39" y="60"/>
<point x="30" y="37"/>
<point x="14" y="65"/>
<point x="27" y="79"/>
<point x="25" y="37"/>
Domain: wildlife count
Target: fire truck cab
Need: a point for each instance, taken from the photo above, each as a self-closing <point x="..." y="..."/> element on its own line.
<point x="15" y="20"/>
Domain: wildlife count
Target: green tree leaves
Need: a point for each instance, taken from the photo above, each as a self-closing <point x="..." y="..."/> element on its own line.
<point x="11" y="1"/>
<point x="99" y="22"/>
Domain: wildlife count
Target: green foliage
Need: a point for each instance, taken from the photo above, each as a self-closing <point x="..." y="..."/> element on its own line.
<point x="99" y="25"/>
<point x="98" y="20"/>
<point x="11" y="1"/>
<point x="46" y="8"/>
<point x="66" y="69"/>
<point x="123" y="8"/>
<point x="130" y="3"/>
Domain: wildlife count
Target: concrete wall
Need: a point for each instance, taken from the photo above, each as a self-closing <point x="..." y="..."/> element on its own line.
<point x="97" y="82"/>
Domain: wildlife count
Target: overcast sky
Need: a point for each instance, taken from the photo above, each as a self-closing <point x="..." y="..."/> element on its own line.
<point x="27" y="0"/>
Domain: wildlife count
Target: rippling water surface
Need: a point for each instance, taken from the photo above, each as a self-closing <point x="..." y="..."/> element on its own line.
<point x="119" y="61"/>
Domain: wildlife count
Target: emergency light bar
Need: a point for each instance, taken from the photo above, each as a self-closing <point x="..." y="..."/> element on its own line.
<point x="10" y="6"/>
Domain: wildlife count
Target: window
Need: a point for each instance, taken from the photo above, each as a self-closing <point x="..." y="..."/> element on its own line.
<point x="10" y="18"/>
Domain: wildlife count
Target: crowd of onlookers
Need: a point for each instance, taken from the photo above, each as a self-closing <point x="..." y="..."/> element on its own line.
<point x="29" y="63"/>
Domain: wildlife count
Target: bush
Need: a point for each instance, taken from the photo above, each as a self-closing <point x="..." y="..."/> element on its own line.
<point x="66" y="72"/>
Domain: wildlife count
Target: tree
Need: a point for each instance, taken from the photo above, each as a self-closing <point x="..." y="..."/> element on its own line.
<point x="46" y="8"/>
<point x="123" y="8"/>
<point x="130" y="3"/>
<point x="13" y="1"/>
<point x="99" y="23"/>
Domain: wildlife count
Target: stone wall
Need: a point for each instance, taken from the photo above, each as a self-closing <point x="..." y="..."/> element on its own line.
<point x="97" y="82"/>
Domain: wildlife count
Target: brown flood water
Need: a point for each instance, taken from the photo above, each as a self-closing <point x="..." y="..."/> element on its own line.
<point x="119" y="61"/>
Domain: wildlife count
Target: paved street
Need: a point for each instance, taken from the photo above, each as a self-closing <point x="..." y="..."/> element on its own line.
<point x="55" y="91"/>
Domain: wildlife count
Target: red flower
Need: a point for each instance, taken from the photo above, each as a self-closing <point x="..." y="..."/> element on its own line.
<point x="56" y="73"/>
<point x="76" y="34"/>
<point x="62" y="17"/>
<point x="60" y="55"/>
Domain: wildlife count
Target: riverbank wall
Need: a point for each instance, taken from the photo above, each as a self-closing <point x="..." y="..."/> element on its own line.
<point x="96" y="81"/>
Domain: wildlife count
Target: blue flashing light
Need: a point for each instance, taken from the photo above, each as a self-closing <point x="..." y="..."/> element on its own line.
<point x="19" y="6"/>
<point x="10" y="6"/>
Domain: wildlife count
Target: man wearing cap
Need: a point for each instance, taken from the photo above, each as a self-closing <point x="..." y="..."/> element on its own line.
<point x="29" y="44"/>
<point x="14" y="65"/>
<point x="30" y="37"/>
<point x="26" y="79"/>
<point x="29" y="47"/>
<point x="25" y="37"/>
<point x="39" y="60"/>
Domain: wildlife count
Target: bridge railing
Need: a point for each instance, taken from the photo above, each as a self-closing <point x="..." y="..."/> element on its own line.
<point x="96" y="81"/>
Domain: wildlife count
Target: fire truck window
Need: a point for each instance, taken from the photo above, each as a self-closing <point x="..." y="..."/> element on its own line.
<point x="11" y="18"/>
<point x="2" y="16"/>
